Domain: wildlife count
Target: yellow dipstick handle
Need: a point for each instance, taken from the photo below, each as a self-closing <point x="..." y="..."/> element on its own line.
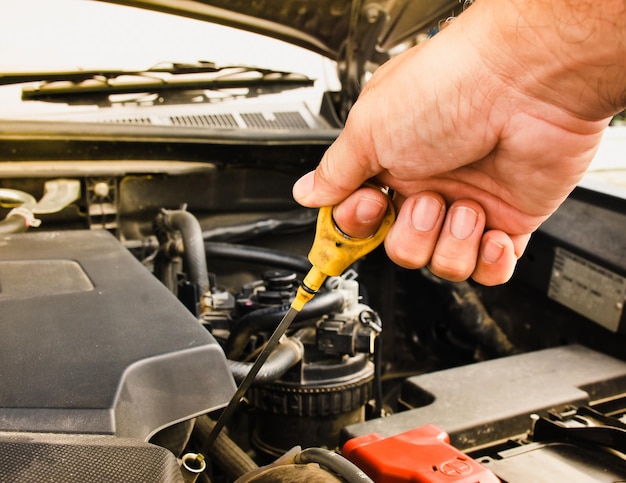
<point x="333" y="251"/>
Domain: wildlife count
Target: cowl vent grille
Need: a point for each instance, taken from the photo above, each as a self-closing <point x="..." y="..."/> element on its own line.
<point x="131" y="120"/>
<point x="285" y="120"/>
<point x="276" y="120"/>
<point x="205" y="120"/>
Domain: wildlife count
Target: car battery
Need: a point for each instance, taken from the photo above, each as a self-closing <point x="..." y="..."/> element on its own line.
<point x="423" y="454"/>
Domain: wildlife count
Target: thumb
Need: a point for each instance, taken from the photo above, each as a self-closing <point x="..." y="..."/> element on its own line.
<point x="361" y="213"/>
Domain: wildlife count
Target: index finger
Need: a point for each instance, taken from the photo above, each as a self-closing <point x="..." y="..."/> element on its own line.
<point x="345" y="166"/>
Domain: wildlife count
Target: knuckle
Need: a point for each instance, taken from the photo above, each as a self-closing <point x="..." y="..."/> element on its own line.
<point x="455" y="270"/>
<point x="324" y="170"/>
<point x="407" y="258"/>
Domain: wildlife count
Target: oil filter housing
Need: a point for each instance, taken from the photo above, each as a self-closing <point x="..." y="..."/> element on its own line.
<point x="310" y="403"/>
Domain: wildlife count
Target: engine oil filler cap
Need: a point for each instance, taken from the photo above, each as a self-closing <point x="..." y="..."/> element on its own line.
<point x="422" y="455"/>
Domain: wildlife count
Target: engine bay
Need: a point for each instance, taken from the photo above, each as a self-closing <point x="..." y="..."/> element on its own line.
<point x="138" y="304"/>
<point x="150" y="248"/>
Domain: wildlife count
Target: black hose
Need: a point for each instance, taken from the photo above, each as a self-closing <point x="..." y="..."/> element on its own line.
<point x="224" y="451"/>
<point x="473" y="320"/>
<point x="13" y="224"/>
<point x="165" y="270"/>
<point x="378" y="377"/>
<point x="269" y="317"/>
<point x="333" y="462"/>
<point x="193" y="246"/>
<point x="284" y="356"/>
<point x="265" y="256"/>
<point x="298" y="220"/>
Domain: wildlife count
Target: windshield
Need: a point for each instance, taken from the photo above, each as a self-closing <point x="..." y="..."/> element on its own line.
<point x="69" y="35"/>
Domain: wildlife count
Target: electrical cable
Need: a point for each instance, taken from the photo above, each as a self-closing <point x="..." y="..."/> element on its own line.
<point x="334" y="462"/>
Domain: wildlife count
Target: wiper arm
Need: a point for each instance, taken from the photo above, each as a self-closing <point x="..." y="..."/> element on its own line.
<point x="81" y="75"/>
<point x="202" y="75"/>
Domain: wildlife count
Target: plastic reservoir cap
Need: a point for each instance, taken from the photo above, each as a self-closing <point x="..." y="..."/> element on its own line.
<point x="421" y="455"/>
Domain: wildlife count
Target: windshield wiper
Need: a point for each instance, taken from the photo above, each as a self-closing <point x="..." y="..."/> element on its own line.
<point x="80" y="75"/>
<point x="158" y="79"/>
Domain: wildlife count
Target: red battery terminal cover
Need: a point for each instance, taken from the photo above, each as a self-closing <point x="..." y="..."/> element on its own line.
<point x="422" y="455"/>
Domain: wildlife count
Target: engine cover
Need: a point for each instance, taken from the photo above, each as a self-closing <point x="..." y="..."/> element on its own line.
<point x="93" y="343"/>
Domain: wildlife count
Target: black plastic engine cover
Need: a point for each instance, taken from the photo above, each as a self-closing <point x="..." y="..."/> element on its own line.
<point x="54" y="458"/>
<point x="92" y="342"/>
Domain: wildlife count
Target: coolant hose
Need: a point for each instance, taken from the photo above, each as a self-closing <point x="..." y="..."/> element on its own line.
<point x="265" y="256"/>
<point x="473" y="319"/>
<point x="13" y="224"/>
<point x="269" y="317"/>
<point x="17" y="197"/>
<point x="284" y="356"/>
<point x="335" y="463"/>
<point x="224" y="451"/>
<point x="476" y="322"/>
<point x="193" y="246"/>
<point x="17" y="219"/>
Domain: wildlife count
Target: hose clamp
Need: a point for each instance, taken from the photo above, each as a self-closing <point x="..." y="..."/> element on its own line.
<point x="27" y="214"/>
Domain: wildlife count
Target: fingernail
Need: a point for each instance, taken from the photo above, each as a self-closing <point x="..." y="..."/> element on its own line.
<point x="463" y="222"/>
<point x="426" y="212"/>
<point x="303" y="187"/>
<point x="368" y="210"/>
<point x="492" y="251"/>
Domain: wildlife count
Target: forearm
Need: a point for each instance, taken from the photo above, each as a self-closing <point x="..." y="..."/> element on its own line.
<point x="570" y="53"/>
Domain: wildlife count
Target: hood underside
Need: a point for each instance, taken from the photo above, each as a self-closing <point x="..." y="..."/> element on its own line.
<point x="322" y="26"/>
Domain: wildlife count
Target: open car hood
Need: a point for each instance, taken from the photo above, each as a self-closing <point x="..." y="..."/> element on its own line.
<point x="357" y="34"/>
<point x="324" y="26"/>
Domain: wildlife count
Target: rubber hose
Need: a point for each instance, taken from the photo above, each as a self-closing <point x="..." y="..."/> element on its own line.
<point x="301" y="219"/>
<point x="266" y="256"/>
<point x="286" y="355"/>
<point x="224" y="451"/>
<point x="474" y="319"/>
<point x="193" y="244"/>
<point x="17" y="197"/>
<point x="378" y="376"/>
<point x="13" y="224"/>
<point x="269" y="317"/>
<point x="335" y="463"/>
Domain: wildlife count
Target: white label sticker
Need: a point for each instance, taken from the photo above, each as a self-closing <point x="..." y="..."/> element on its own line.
<point x="587" y="288"/>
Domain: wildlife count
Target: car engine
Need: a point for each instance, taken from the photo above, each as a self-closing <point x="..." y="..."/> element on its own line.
<point x="141" y="276"/>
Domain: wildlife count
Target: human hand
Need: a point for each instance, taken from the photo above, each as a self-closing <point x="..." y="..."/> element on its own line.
<point x="479" y="145"/>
